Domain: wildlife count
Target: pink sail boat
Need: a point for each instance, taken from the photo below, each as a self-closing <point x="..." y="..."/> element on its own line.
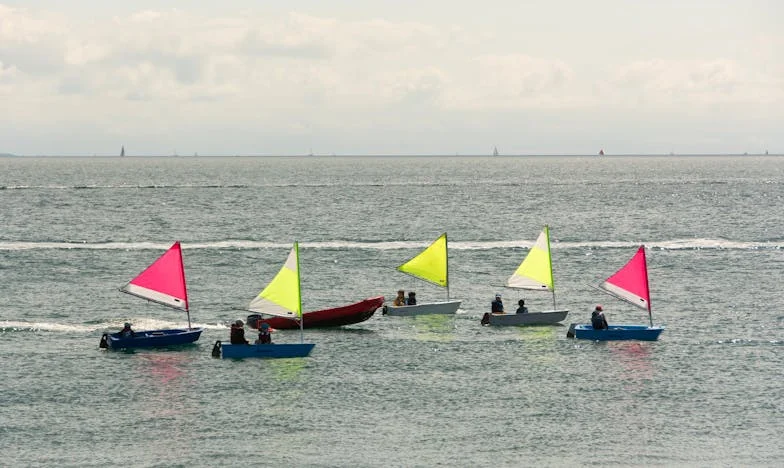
<point x="629" y="284"/>
<point x="163" y="282"/>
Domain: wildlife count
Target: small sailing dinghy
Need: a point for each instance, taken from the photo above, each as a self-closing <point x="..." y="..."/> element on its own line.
<point x="534" y="273"/>
<point x="281" y="298"/>
<point x="162" y="282"/>
<point x="629" y="284"/>
<point x="334" y="317"/>
<point x="431" y="265"/>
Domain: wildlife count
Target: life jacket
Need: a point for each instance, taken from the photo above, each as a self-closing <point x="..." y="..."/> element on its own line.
<point x="265" y="337"/>
<point x="597" y="321"/>
<point x="237" y="335"/>
<point x="497" y="306"/>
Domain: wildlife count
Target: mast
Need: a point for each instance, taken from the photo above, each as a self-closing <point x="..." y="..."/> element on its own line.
<point x="647" y="287"/>
<point x="187" y="303"/>
<point x="299" y="298"/>
<point x="550" y="259"/>
<point x="446" y="247"/>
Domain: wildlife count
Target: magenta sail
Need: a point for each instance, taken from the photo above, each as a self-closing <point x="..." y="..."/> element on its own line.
<point x="163" y="281"/>
<point x="630" y="283"/>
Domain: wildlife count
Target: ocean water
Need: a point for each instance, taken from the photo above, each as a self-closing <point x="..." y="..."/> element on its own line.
<point x="427" y="391"/>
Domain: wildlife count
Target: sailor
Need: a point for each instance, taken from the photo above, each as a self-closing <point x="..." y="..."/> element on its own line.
<point x="411" y="298"/>
<point x="522" y="309"/>
<point x="127" y="332"/>
<point x="598" y="320"/>
<point x="497" y="306"/>
<point x="264" y="334"/>
<point x="400" y="300"/>
<point x="237" y="335"/>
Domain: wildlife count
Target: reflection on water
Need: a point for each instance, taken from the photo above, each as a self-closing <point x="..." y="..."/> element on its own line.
<point x="164" y="368"/>
<point x="543" y="333"/>
<point x="287" y="370"/>
<point x="434" y="327"/>
<point x="635" y="358"/>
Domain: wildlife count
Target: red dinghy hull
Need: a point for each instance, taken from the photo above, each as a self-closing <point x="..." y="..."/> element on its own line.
<point x="344" y="315"/>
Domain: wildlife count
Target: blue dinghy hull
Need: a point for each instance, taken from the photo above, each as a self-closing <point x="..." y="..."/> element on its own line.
<point x="269" y="351"/>
<point x="151" y="338"/>
<point x="585" y="331"/>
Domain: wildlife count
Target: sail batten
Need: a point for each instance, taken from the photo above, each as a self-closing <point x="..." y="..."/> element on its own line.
<point x="431" y="264"/>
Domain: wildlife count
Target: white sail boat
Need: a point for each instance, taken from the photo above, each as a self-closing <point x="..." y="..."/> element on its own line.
<point x="534" y="273"/>
<point x="431" y="265"/>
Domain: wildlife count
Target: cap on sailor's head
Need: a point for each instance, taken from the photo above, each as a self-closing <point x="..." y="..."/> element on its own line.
<point x="498" y="295"/>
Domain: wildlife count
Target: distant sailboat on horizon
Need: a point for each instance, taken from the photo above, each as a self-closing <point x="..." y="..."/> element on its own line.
<point x="601" y="152"/>
<point x="495" y="151"/>
<point x="122" y="151"/>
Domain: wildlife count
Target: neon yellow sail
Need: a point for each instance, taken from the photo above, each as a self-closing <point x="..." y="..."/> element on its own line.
<point x="536" y="271"/>
<point x="431" y="264"/>
<point x="282" y="296"/>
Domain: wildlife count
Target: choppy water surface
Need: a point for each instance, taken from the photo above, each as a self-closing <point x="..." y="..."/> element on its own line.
<point x="393" y="391"/>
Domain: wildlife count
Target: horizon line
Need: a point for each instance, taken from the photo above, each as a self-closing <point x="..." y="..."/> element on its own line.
<point x="383" y="155"/>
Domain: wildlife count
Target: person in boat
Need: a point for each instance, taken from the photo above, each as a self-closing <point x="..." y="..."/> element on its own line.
<point x="237" y="334"/>
<point x="411" y="298"/>
<point x="522" y="309"/>
<point x="598" y="320"/>
<point x="127" y="331"/>
<point x="497" y="306"/>
<point x="400" y="300"/>
<point x="265" y="337"/>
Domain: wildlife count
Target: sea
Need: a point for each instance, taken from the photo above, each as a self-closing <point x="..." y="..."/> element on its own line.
<point x="393" y="391"/>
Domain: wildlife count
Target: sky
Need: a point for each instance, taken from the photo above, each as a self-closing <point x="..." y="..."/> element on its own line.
<point x="86" y="77"/>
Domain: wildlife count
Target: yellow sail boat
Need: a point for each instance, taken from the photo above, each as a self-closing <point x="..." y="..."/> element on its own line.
<point x="534" y="273"/>
<point x="431" y="265"/>
<point x="280" y="298"/>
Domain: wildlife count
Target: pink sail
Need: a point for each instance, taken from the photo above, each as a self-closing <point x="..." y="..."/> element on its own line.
<point x="163" y="281"/>
<point x="630" y="283"/>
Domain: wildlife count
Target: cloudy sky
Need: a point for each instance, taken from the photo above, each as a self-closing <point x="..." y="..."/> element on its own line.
<point x="391" y="77"/>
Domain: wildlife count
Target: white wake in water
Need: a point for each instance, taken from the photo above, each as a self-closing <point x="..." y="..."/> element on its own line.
<point x="116" y="325"/>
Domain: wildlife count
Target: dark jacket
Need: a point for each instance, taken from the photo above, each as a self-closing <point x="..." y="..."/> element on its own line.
<point x="497" y="306"/>
<point x="238" y="335"/>
<point x="598" y="321"/>
<point x="265" y="337"/>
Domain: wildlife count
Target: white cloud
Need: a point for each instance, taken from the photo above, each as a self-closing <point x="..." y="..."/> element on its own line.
<point x="686" y="83"/>
<point x="513" y="81"/>
<point x="304" y="73"/>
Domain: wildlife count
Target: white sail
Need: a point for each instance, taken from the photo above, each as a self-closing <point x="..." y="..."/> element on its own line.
<point x="281" y="297"/>
<point x="535" y="272"/>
